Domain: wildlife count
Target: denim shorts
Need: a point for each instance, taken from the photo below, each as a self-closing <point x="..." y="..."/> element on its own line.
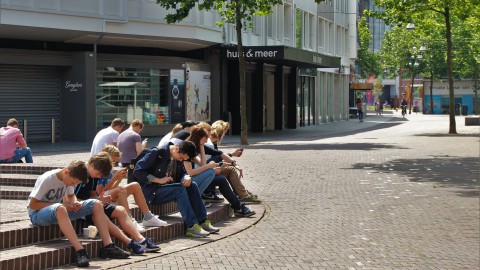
<point x="48" y="215"/>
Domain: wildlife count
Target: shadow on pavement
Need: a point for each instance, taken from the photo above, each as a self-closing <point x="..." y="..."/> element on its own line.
<point x="457" y="172"/>
<point x="302" y="134"/>
<point x="448" y="135"/>
<point x="336" y="146"/>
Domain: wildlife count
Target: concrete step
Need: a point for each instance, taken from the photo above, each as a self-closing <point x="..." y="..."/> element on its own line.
<point x="25" y="168"/>
<point x="14" y="192"/>
<point x="58" y="252"/>
<point x="19" y="231"/>
<point x="16" y="179"/>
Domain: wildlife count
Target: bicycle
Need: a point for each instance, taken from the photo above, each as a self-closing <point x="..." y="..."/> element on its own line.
<point x="404" y="110"/>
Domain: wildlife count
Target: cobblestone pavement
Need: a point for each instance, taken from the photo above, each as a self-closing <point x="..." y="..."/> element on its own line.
<point x="390" y="193"/>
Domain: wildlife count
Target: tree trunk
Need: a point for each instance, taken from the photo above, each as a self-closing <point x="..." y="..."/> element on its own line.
<point x="453" y="126"/>
<point x="431" y="92"/>
<point x="241" y="70"/>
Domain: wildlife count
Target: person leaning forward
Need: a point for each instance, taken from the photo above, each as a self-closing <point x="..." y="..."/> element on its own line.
<point x="162" y="177"/>
<point x="12" y="144"/>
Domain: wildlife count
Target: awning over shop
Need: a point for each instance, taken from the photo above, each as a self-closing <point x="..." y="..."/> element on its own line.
<point x="361" y="86"/>
<point x="288" y="56"/>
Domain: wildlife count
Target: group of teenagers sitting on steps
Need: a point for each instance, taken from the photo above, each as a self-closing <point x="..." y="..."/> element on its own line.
<point x="186" y="167"/>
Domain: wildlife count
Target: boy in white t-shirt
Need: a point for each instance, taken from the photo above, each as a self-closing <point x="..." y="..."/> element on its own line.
<point x="52" y="201"/>
<point x="108" y="135"/>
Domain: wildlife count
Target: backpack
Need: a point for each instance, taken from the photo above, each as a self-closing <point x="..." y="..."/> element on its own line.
<point x="131" y="177"/>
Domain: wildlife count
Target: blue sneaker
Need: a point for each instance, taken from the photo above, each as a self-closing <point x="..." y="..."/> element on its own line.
<point x="135" y="248"/>
<point x="244" y="211"/>
<point x="149" y="245"/>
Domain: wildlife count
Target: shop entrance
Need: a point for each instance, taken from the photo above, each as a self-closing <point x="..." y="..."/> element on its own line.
<point x="306" y="101"/>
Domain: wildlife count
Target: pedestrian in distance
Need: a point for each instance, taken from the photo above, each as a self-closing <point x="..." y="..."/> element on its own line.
<point x="359" y="109"/>
<point x="12" y="144"/>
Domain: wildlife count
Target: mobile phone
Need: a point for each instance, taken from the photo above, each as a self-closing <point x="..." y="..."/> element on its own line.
<point x="220" y="164"/>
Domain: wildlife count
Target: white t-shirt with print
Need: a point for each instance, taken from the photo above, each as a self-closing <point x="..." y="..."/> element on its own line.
<point x="48" y="188"/>
<point x="105" y="136"/>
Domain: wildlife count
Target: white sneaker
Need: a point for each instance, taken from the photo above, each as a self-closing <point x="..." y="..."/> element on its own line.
<point x="138" y="226"/>
<point x="154" y="222"/>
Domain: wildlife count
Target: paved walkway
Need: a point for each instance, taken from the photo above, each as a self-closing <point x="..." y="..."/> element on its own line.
<point x="390" y="193"/>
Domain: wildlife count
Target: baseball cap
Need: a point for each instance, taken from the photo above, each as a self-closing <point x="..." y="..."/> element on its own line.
<point x="188" y="124"/>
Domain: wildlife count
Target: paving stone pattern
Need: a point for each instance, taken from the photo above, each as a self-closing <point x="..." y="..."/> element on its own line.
<point x="399" y="195"/>
<point x="390" y="193"/>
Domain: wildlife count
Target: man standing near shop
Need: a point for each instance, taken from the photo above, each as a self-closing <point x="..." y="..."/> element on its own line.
<point x="106" y="136"/>
<point x="12" y="144"/>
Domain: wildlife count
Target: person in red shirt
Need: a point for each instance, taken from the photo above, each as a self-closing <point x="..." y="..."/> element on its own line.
<point x="12" y="144"/>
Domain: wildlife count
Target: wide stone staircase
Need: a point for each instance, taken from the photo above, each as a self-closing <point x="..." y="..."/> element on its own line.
<point x="24" y="246"/>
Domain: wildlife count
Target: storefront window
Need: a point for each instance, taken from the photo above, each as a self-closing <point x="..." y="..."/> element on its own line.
<point x="132" y="93"/>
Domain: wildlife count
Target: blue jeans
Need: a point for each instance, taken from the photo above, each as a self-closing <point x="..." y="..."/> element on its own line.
<point x="19" y="154"/>
<point x="189" y="200"/>
<point x="203" y="179"/>
<point x="48" y="214"/>
<point x="226" y="190"/>
<point x="360" y="115"/>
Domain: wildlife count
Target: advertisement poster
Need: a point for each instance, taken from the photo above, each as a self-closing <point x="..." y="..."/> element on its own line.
<point x="177" y="96"/>
<point x="198" y="96"/>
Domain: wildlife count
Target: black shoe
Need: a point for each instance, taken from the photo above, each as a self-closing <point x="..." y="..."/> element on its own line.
<point x="113" y="252"/>
<point x="82" y="258"/>
<point x="244" y="211"/>
<point x="211" y="198"/>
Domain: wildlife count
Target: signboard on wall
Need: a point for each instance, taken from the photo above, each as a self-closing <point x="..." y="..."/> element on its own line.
<point x="198" y="96"/>
<point x="177" y="96"/>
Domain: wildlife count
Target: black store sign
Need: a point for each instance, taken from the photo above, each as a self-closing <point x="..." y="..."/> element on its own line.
<point x="298" y="57"/>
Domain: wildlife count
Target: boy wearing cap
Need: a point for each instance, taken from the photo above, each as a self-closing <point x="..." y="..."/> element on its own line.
<point x="107" y="135"/>
<point x="186" y="128"/>
<point x="52" y="201"/>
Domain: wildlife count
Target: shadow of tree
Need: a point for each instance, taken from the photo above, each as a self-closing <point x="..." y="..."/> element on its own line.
<point x="448" y="135"/>
<point x="339" y="146"/>
<point x="457" y="172"/>
<point x="306" y="134"/>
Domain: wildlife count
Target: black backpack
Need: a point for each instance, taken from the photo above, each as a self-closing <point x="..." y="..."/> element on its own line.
<point x="131" y="177"/>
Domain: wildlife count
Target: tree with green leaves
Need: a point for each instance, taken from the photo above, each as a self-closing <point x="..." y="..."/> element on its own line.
<point x="397" y="48"/>
<point x="420" y="11"/>
<point x="240" y="13"/>
<point x="367" y="61"/>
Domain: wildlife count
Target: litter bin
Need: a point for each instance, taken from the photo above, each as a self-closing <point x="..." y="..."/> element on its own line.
<point x="464" y="110"/>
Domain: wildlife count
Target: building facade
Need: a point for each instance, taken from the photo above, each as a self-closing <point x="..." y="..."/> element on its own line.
<point x="67" y="67"/>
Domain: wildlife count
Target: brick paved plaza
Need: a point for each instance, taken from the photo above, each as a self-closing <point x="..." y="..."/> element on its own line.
<point x="390" y="193"/>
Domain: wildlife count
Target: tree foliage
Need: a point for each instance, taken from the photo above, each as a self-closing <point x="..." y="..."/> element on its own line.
<point x="367" y="61"/>
<point x="240" y="13"/>
<point x="435" y="17"/>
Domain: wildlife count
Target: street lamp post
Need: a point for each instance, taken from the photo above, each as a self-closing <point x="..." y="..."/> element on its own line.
<point x="413" y="65"/>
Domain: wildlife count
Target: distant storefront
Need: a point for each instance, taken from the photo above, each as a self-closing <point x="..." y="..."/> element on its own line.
<point x="464" y="97"/>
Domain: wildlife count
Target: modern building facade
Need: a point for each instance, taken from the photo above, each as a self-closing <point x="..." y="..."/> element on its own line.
<point x="67" y="67"/>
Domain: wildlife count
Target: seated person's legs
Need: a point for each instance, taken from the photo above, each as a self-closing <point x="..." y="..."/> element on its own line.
<point x="149" y="220"/>
<point x="203" y="179"/>
<point x="57" y="214"/>
<point x="159" y="195"/>
<point x="232" y="176"/>
<point x="127" y="225"/>
<point x="101" y="221"/>
<point x="227" y="192"/>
